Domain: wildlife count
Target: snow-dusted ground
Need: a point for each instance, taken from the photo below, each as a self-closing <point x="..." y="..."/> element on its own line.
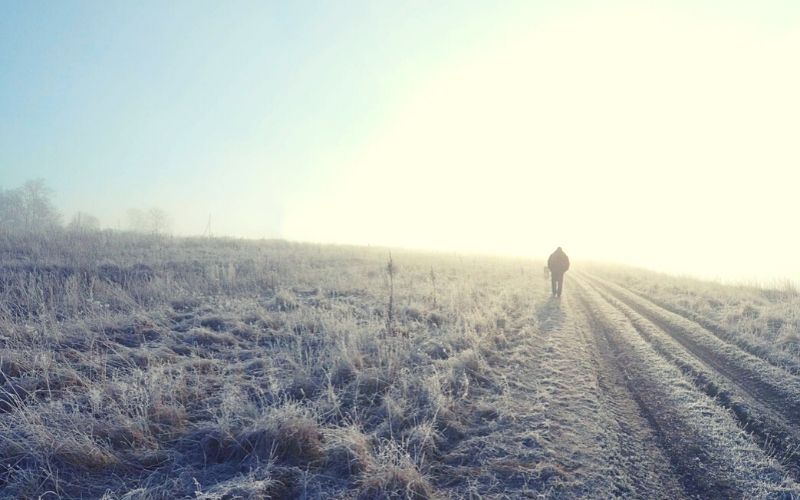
<point x="137" y="367"/>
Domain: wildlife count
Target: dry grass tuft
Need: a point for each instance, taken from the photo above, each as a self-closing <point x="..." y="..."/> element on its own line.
<point x="204" y="337"/>
<point x="120" y="433"/>
<point x="394" y="477"/>
<point x="395" y="483"/>
<point x="790" y="340"/>
<point x="348" y="451"/>
<point x="83" y="454"/>
<point x="372" y="382"/>
<point x="287" y="436"/>
<point x="284" y="300"/>
<point x="12" y="364"/>
<point x="214" y="322"/>
<point x="168" y="420"/>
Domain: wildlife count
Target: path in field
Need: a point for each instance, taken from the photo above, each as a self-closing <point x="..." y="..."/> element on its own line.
<point x="565" y="423"/>
<point x="764" y="398"/>
<point x="760" y="348"/>
<point x="741" y="407"/>
<point x="605" y="395"/>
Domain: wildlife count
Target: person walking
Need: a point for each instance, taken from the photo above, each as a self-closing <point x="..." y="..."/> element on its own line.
<point x="558" y="263"/>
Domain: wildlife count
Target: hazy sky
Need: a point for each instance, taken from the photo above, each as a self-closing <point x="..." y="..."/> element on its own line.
<point x="665" y="135"/>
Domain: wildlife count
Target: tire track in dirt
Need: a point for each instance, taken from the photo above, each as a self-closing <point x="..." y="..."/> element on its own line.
<point x="776" y="390"/>
<point x="638" y="435"/>
<point x="561" y="425"/>
<point x="759" y="407"/>
<point x="681" y="449"/>
<point x="778" y="359"/>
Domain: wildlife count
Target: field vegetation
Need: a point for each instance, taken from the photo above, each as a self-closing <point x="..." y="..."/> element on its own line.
<point x="150" y="367"/>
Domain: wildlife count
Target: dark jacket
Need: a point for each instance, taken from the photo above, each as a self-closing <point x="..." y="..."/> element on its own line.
<point x="558" y="262"/>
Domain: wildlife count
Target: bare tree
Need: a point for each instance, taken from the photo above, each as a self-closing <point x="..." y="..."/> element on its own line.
<point x="154" y="221"/>
<point x="137" y="220"/>
<point x="38" y="210"/>
<point x="158" y="221"/>
<point x="11" y="217"/>
<point x="84" y="222"/>
<point x="28" y="208"/>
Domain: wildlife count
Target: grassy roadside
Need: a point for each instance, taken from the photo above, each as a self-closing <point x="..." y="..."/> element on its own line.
<point x="161" y="368"/>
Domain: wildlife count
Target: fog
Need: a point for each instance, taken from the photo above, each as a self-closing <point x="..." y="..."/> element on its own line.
<point x="662" y="136"/>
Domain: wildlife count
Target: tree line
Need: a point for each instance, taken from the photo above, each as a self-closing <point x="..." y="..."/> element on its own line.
<point x="29" y="208"/>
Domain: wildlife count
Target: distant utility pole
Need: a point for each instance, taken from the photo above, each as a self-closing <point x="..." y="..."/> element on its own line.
<point x="207" y="231"/>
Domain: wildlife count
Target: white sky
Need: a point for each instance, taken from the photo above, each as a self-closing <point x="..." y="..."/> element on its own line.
<point x="645" y="136"/>
<point x="663" y="134"/>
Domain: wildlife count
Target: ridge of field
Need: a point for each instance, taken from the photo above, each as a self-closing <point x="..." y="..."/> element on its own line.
<point x="155" y="368"/>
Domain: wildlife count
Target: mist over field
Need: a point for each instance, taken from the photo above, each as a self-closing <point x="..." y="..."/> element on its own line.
<point x="399" y="250"/>
<point x="661" y="136"/>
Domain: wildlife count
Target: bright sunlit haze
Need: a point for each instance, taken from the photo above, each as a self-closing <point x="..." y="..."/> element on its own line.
<point x="663" y="136"/>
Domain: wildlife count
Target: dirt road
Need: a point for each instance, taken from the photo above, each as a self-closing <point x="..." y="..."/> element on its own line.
<point x="608" y="394"/>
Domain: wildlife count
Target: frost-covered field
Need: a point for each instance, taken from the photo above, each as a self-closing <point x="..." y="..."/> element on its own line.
<point x="136" y="367"/>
